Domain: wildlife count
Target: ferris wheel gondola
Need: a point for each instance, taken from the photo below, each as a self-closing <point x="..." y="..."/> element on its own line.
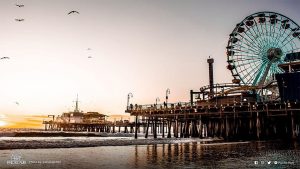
<point x="258" y="44"/>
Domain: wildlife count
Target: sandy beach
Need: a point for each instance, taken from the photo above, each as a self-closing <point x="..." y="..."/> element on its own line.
<point x="181" y="155"/>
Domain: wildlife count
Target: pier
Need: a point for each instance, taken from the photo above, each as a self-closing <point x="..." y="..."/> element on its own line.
<point x="106" y="126"/>
<point x="240" y="120"/>
<point x="78" y="121"/>
<point x="231" y="111"/>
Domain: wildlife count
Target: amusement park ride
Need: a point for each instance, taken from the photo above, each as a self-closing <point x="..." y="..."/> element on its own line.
<point x="263" y="100"/>
<point x="259" y="47"/>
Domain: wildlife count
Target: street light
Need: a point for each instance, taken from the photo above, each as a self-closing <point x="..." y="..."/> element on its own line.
<point x="167" y="95"/>
<point x="128" y="98"/>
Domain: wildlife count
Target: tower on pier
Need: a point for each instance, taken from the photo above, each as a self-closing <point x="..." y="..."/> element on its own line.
<point x="210" y="62"/>
<point x="76" y="105"/>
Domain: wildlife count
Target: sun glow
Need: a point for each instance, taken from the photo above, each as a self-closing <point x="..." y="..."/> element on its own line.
<point x="2" y="123"/>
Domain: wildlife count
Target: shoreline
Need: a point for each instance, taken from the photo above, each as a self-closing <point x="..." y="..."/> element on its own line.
<point x="77" y="143"/>
<point x="61" y="134"/>
<point x="69" y="139"/>
<point x="40" y="140"/>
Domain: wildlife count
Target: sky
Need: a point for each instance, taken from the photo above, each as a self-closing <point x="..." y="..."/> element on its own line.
<point x="137" y="46"/>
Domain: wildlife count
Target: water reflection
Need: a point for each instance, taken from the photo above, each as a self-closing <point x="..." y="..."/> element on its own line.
<point x="183" y="155"/>
<point x="220" y="155"/>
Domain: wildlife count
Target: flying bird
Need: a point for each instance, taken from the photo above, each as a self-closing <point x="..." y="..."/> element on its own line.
<point x="88" y="49"/>
<point x="4" y="58"/>
<point x="73" y="12"/>
<point x="20" y="5"/>
<point x="19" y="20"/>
<point x="17" y="103"/>
<point x="90" y="57"/>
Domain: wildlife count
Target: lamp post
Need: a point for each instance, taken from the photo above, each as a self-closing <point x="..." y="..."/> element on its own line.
<point x="167" y="96"/>
<point x="130" y="95"/>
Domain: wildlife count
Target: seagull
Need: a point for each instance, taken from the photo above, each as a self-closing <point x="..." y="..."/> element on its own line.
<point x="4" y="58"/>
<point x="19" y="20"/>
<point x="20" y="6"/>
<point x="90" y="57"/>
<point x="71" y="12"/>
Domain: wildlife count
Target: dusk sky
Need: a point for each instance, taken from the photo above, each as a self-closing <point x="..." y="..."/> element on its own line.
<point x="137" y="46"/>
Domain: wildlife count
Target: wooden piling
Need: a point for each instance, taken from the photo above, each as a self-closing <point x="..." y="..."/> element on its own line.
<point x="257" y="126"/>
<point x="176" y="127"/>
<point x="169" y="128"/>
<point x="136" y="121"/>
<point x="155" y="128"/>
<point x="147" y="128"/>
<point x="163" y="128"/>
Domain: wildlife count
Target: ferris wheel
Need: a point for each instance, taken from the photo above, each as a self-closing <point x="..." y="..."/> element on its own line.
<point x="258" y="44"/>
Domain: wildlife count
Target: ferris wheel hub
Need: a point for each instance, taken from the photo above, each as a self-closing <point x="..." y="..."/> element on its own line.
<point x="258" y="44"/>
<point x="274" y="54"/>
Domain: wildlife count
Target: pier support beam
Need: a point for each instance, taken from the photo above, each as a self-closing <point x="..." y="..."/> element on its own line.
<point x="181" y="129"/>
<point x="169" y="128"/>
<point x="176" y="127"/>
<point x="147" y="128"/>
<point x="194" y="129"/>
<point x="258" y="126"/>
<point x="187" y="129"/>
<point x="136" y="121"/>
<point x="227" y="129"/>
<point x="291" y="126"/>
<point x="163" y="127"/>
<point x="155" y="128"/>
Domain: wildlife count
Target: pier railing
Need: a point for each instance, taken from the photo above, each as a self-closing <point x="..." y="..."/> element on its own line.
<point x="211" y="108"/>
<point x="160" y="106"/>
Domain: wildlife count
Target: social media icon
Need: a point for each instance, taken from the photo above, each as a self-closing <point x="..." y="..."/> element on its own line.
<point x="262" y="162"/>
<point x="275" y="162"/>
<point x="255" y="162"/>
<point x="269" y="162"/>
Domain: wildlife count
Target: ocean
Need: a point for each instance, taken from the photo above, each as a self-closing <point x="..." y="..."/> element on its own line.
<point x="255" y="154"/>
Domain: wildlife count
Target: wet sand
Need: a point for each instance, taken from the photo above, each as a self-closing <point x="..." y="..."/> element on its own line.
<point x="166" y="156"/>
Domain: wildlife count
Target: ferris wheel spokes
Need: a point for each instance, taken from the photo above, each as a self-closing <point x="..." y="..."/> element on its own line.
<point x="258" y="44"/>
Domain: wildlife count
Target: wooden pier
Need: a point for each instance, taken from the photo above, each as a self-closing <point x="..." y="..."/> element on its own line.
<point x="241" y="120"/>
<point x="229" y="111"/>
<point x="234" y="117"/>
<point x="232" y="111"/>
<point x="119" y="126"/>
